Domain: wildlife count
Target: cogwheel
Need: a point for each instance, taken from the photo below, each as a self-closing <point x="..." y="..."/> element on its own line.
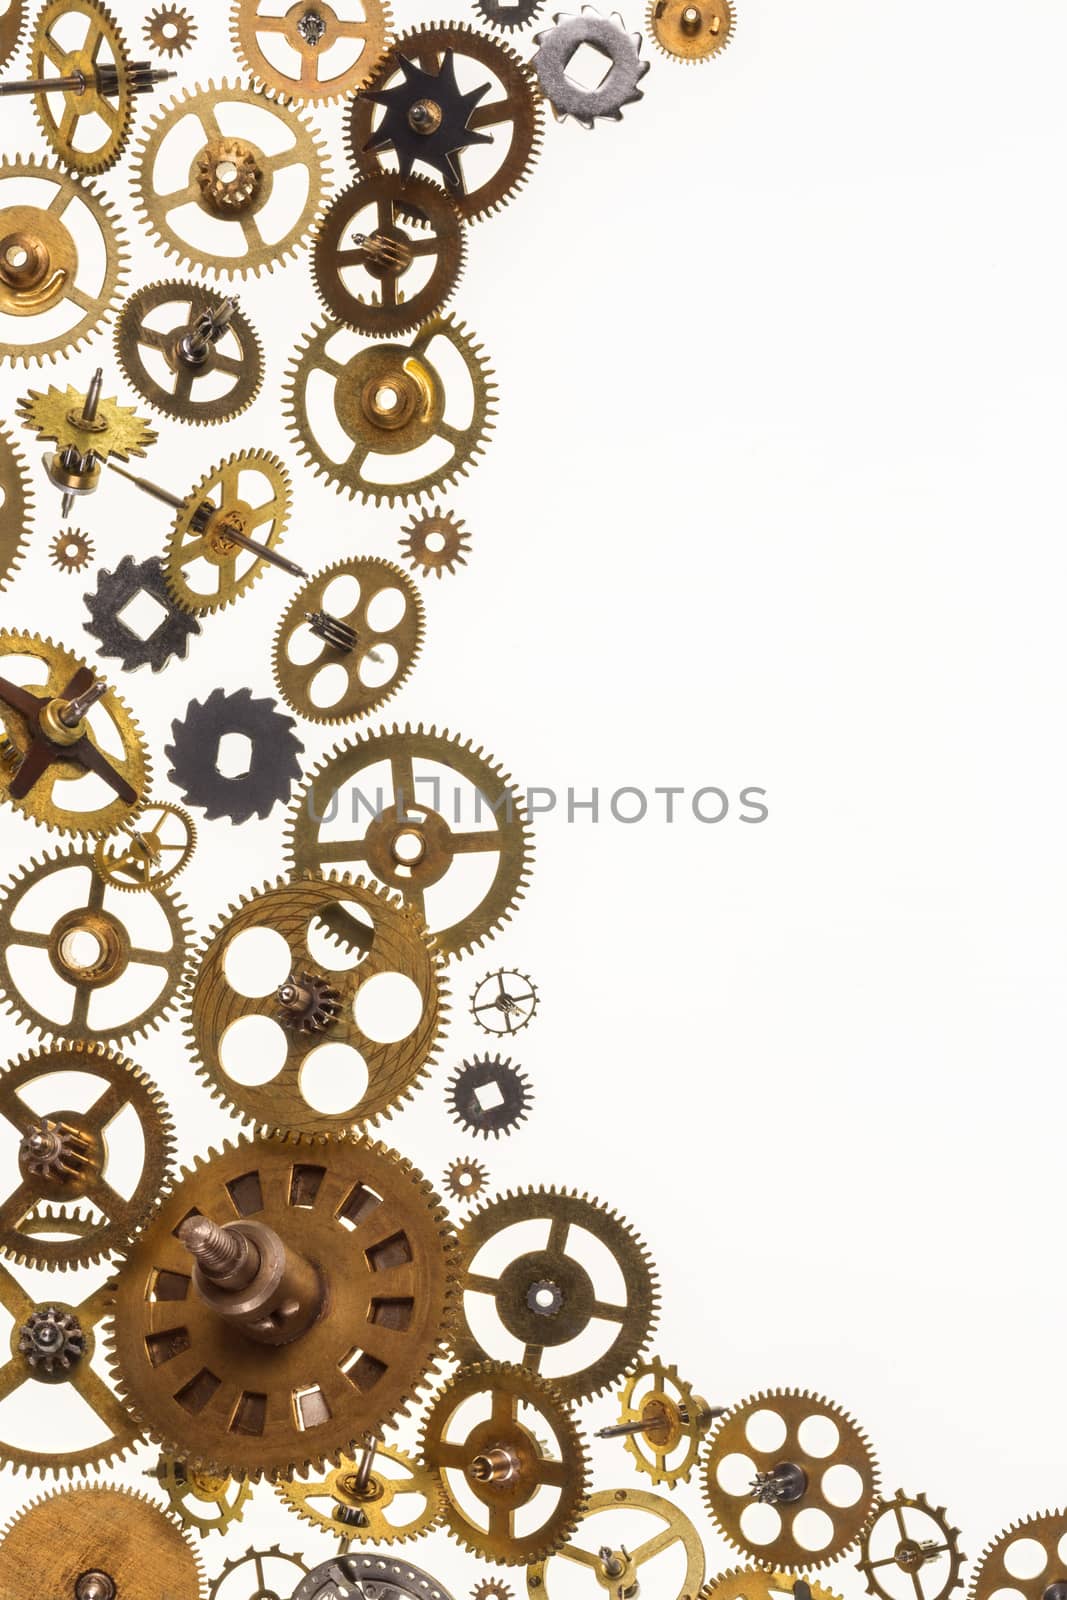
<point x="151" y="852"/>
<point x="902" y="1548"/>
<point x="369" y="1573"/>
<point x="11" y="25"/>
<point x="274" y="1566"/>
<point x="1007" y="1565"/>
<point x="389" y="400"/>
<point x="16" y="504"/>
<point x="757" y="1583"/>
<point x="96" y="50"/>
<point x="203" y="1502"/>
<point x="116" y="639"/>
<point x="614" y="1568"/>
<point x="71" y="550"/>
<point x="675" y="1421"/>
<point x="246" y="496"/>
<point x="273" y="761"/>
<point x="466" y="1178"/>
<point x="435" y="541"/>
<point x="557" y="46"/>
<point x="56" y="415"/>
<point x="383" y="1497"/>
<point x="483" y="1114"/>
<point x="492" y="1589"/>
<point x="690" y="30"/>
<point x="504" y="1002"/>
<point x="171" y="30"/>
<point x="311" y="32"/>
<point x="137" y="1549"/>
<point x="509" y="17"/>
<point x="208" y="346"/>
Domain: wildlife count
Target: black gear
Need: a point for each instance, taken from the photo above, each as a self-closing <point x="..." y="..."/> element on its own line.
<point x="114" y="591"/>
<point x="431" y="95"/>
<point x="273" y="765"/>
<point x="498" y="14"/>
<point x="471" y="1097"/>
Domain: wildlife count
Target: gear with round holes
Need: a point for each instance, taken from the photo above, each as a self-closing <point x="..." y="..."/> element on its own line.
<point x="71" y="550"/>
<point x="1037" y="1575"/>
<point x="394" y="1499"/>
<point x="100" y="59"/>
<point x="377" y="1576"/>
<point x="203" y="1502"/>
<point x="312" y="33"/>
<point x="675" y="1422"/>
<point x="116" y="639"/>
<point x="258" y="1561"/>
<point x="488" y="1095"/>
<point x="466" y="1178"/>
<point x="691" y="30"/>
<point x="195" y="747"/>
<point x="207" y="566"/>
<point x="504" y="1002"/>
<point x="152" y="852"/>
<point x="757" y="1583"/>
<point x="170" y="30"/>
<point x="16" y="506"/>
<point x="608" y="36"/>
<point x="202" y="338"/>
<point x="435" y="541"/>
<point x="618" y="1570"/>
<point x="12" y="23"/>
<point x="509" y="18"/>
<point x="130" y="1546"/>
<point x="910" y="1551"/>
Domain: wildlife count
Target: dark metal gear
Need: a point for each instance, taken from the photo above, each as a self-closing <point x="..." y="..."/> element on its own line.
<point x="556" y="48"/>
<point x="371" y="1573"/>
<point x="117" y="638"/>
<point x="504" y="1002"/>
<point x="427" y="118"/>
<point x="273" y="765"/>
<point x="489" y="1096"/>
<point x="509" y="17"/>
<point x="51" y="1338"/>
<point x="307" y="1003"/>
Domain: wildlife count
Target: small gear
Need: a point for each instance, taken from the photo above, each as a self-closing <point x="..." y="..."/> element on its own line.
<point x="757" y="1583"/>
<point x="489" y="1096"/>
<point x="616" y="1571"/>
<point x="435" y="541"/>
<point x="71" y="550"/>
<point x="16" y="504"/>
<point x="307" y="1003"/>
<point x="691" y="30"/>
<point x="203" y="1502"/>
<point x="903" y="1548"/>
<point x="258" y="1575"/>
<point x="170" y="30"/>
<point x="151" y="853"/>
<point x="209" y="348"/>
<point x="675" y="1421"/>
<point x="52" y="1340"/>
<point x="273" y="760"/>
<point x="11" y="25"/>
<point x="504" y="1002"/>
<point x="466" y="1178"/>
<point x="366" y="1573"/>
<point x="492" y="1589"/>
<point x="383" y="1497"/>
<point x="556" y="46"/>
<point x="132" y="1547"/>
<point x="56" y="415"/>
<point x="1011" y="1568"/>
<point x="117" y="638"/>
<point x="318" y="38"/>
<point x="247" y="496"/>
<point x="96" y="53"/>
<point x="509" y="15"/>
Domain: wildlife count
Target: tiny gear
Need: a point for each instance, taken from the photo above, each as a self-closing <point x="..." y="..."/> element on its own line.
<point x="51" y="1339"/>
<point x="71" y="550"/>
<point x="210" y="350"/>
<point x="492" y="1589"/>
<point x="322" y="42"/>
<point x="258" y="1575"/>
<point x="910" y="1551"/>
<point x="489" y="1096"/>
<point x="128" y="1544"/>
<point x="16" y="498"/>
<point x="466" y="1178"/>
<point x="151" y="852"/>
<point x="435" y="541"/>
<point x="675" y="1421"/>
<point x="556" y="46"/>
<point x="358" y="1574"/>
<point x="998" y="1571"/>
<point x="203" y="1502"/>
<point x="509" y="15"/>
<point x="691" y="30"/>
<point x="117" y="639"/>
<point x="504" y="1002"/>
<point x="273" y="760"/>
<point x="623" y="1573"/>
<point x="170" y="30"/>
<point x="379" y="1497"/>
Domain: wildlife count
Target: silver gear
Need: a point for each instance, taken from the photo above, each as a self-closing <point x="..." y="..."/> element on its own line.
<point x="369" y="1573"/>
<point x="608" y="36"/>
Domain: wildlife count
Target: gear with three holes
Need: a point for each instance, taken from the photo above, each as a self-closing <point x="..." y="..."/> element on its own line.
<point x="366" y="1573"/>
<point x="16" y="503"/>
<point x="155" y="848"/>
<point x="394" y="1500"/>
<point x="313" y="33"/>
<point x="616" y="1570"/>
<point x="608" y="36"/>
<point x="504" y="1002"/>
<point x="435" y="541"/>
<point x="466" y="1178"/>
<point x="675" y="1422"/>
<point x="71" y="550"/>
<point x="133" y="1548"/>
<point x="110" y="81"/>
<point x="170" y="30"/>
<point x="489" y="1095"/>
<point x="273" y="759"/>
<point x="1040" y="1574"/>
<point x="757" y="1583"/>
<point x="691" y="30"/>
<point x="910" y="1551"/>
<point x="200" y="337"/>
<point x="207" y="566"/>
<point x="116" y="639"/>
<point x="203" y="1502"/>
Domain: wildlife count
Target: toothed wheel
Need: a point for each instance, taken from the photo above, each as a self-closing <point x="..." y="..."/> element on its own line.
<point x="396" y="1500"/>
<point x="620" y="1534"/>
<point x="489" y="1096"/>
<point x="16" y="507"/>
<point x="756" y="1583"/>
<point x="87" y="128"/>
<point x="152" y="853"/>
<point x="618" y="87"/>
<point x="466" y="1178"/>
<point x="247" y="496"/>
<point x="71" y="550"/>
<point x="366" y="1573"/>
<point x="504" y="1002"/>
<point x="492" y="1589"/>
<point x="258" y="1575"/>
<point x="11" y="25"/>
<point x="1028" y="1561"/>
<point x="435" y="541"/>
<point x="273" y="762"/>
<point x="509" y="15"/>
<point x="171" y="30"/>
<point x="910" y="1551"/>
<point x="139" y="1552"/>
<point x="675" y="1421"/>
<point x="116" y="639"/>
<point x="325" y="54"/>
<point x="208" y="380"/>
<point x="204" y="1502"/>
<point x="691" y="30"/>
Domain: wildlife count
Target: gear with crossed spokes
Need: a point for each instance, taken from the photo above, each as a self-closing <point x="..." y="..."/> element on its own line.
<point x="199" y="337"/>
<point x="612" y="1567"/>
<point x="910" y="1551"/>
<point x="313" y="33"/>
<point x="247" y="496"/>
<point x="381" y="1497"/>
<point x="100" y="59"/>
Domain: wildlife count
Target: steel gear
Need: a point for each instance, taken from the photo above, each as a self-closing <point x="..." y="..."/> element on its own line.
<point x="502" y="1462"/>
<point x="546" y="1298"/>
<point x="435" y="541"/>
<point x="381" y="1576"/>
<point x="790" y="1479"/>
<point x="671" y="1419"/>
<point x="903" y="1548"/>
<point x="41" y="265"/>
<point x="395" y="943"/>
<point x="51" y="1339"/>
<point x="509" y="16"/>
<point x="466" y="1178"/>
<point x="170" y="30"/>
<point x="504" y="1002"/>
<point x="429" y="119"/>
<point x="70" y="1157"/>
<point x="556" y="47"/>
<point x="1008" y="1568"/>
<point x="343" y="643"/>
<point x="390" y="400"/>
<point x="393" y="1500"/>
<point x="198" y="336"/>
<point x="614" y="1569"/>
<point x="230" y="180"/>
<point x="489" y="1096"/>
<point x="203" y="1502"/>
<point x="373" y="1310"/>
<point x="273" y="761"/>
<point x="56" y="415"/>
<point x="270" y="1575"/>
<point x="407" y="844"/>
<point x="153" y="851"/>
<point x="11" y="25"/>
<point x="691" y="30"/>
<point x="71" y="550"/>
<point x="105" y="103"/>
<point x="360" y="263"/>
<point x="89" y="948"/>
<point x="132" y="1547"/>
<point x="248" y="496"/>
<point x="311" y="30"/>
<point x="117" y="638"/>
<point x="757" y="1583"/>
<point x="16" y="502"/>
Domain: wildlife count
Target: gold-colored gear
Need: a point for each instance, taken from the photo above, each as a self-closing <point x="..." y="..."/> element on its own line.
<point x="546" y="1298"/>
<point x="466" y="1178"/>
<point x="11" y="25"/>
<point x="16" y="508"/>
<point x="170" y="29"/>
<point x="194" y="396"/>
<point x="492" y="1589"/>
<point x="503" y="1463"/>
<point x="151" y="853"/>
<point x="205" y="570"/>
<point x="364" y="1510"/>
<point x="757" y="1583"/>
<point x="311" y="29"/>
<point x="54" y="1541"/>
<point x="435" y="541"/>
<point x="613" y="1568"/>
<point x="394" y="942"/>
<point x="65" y="1153"/>
<point x="88" y="924"/>
<point x="691" y="30"/>
<point x="389" y="400"/>
<point x="383" y="1251"/>
<point x="41" y="266"/>
<point x="996" y="1572"/>
<point x="204" y="1502"/>
<point x="71" y="550"/>
<point x="230" y="180"/>
<point x="513" y="115"/>
<point x="408" y="844"/>
<point x="56" y="415"/>
<point x="265" y="1580"/>
<point x="800" y="1473"/>
<point x="100" y="44"/>
<point x="902" y="1548"/>
<point x="676" y="1421"/>
<point x="359" y="658"/>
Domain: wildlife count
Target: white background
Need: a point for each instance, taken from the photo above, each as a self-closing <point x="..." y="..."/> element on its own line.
<point x="774" y="499"/>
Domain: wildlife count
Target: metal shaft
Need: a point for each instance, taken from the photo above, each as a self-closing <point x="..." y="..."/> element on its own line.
<point x="75" y="710"/>
<point x="623" y="1430"/>
<point x="208" y="329"/>
<point x="92" y="399"/>
<point x="146" y="486"/>
<point x="370" y="1450"/>
<point x="265" y="553"/>
<point x="223" y="1255"/>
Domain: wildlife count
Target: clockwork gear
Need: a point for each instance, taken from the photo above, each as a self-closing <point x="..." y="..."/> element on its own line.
<point x="607" y="36"/>
<point x="492" y="1589"/>
<point x="321" y="41"/>
<point x="88" y="125"/>
<point x="247" y="496"/>
<point x="58" y="415"/>
<point x="466" y="1178"/>
<point x="380" y="1496"/>
<point x="662" y="1422"/>
<point x="258" y="1575"/>
<point x="1025" y="1562"/>
<point x="203" y="1502"/>
<point x="171" y="30"/>
<point x="367" y="1573"/>
<point x="691" y="30"/>
<point x="16" y="504"/>
<point x="71" y="550"/>
<point x="208" y="347"/>
<point x="489" y="1096"/>
<point x="116" y="638"/>
<point x="11" y="25"/>
<point x="508" y="15"/>
<point x="128" y="1544"/>
<point x="910" y="1551"/>
<point x="435" y="541"/>
<point x="504" y="1002"/>
<point x="757" y="1583"/>
<point x="195" y="754"/>
<point x="620" y="1536"/>
<point x="152" y="850"/>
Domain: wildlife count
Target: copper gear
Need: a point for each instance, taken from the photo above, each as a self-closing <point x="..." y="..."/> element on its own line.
<point x="677" y="1421"/>
<point x="383" y="1248"/>
<point x="294" y="910"/>
<point x="140" y="342"/>
<point x="757" y="1583"/>
<point x="363" y="285"/>
<point x="546" y="1298"/>
<point x="519" y="1461"/>
<point x="81" y="1166"/>
<point x="101" y="43"/>
<point x="40" y="265"/>
<point x="203" y="1502"/>
<point x="389" y="400"/>
<point x="16" y="508"/>
<point x="313" y="48"/>
<point x="54" y="1541"/>
<point x="205" y="570"/>
<point x="71" y="550"/>
<point x="90" y="916"/>
<point x="994" y="1572"/>
<point x="793" y="1407"/>
<point x="617" y="1570"/>
<point x="435" y="541"/>
<point x="338" y="1503"/>
<point x="918" y="1534"/>
<point x="691" y="30"/>
<point x="55" y="415"/>
<point x="466" y="1178"/>
<point x="365" y="687"/>
<point x="11" y="25"/>
<point x="514" y="116"/>
<point x="409" y="827"/>
<point x="170" y="30"/>
<point x="155" y="848"/>
<point x="233" y="201"/>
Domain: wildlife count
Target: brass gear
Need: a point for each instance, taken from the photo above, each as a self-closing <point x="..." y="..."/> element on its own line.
<point x="89" y="921"/>
<point x="363" y="284"/>
<point x="995" y="1573"/>
<point x="155" y="848"/>
<point x="503" y="1463"/>
<point x="54" y="1542"/>
<point x="205" y="570"/>
<point x="258" y="1560"/>
<point x="676" y="1418"/>
<point x="389" y="400"/>
<point x="511" y="995"/>
<point x="11" y="25"/>
<point x="65" y="1154"/>
<point x="204" y="1502"/>
<point x="545" y="1297"/>
<point x="492" y="1589"/>
<point x="100" y="44"/>
<point x="614" y="1569"/>
<point x="16" y="508"/>
<point x="383" y="1250"/>
<point x="466" y="1178"/>
<point x="298" y="28"/>
<point x="41" y="263"/>
<point x="339" y="1503"/>
<point x="237" y="355"/>
<point x="71" y="550"/>
<point x="408" y="845"/>
<point x="230" y="180"/>
<point x="691" y="30"/>
<point x="366" y="685"/>
<point x="171" y="30"/>
<point x="793" y="1407"/>
<point x="435" y="541"/>
<point x="395" y="941"/>
<point x="757" y="1583"/>
<point x="513" y="114"/>
<point x="903" y="1537"/>
<point x="56" y="415"/>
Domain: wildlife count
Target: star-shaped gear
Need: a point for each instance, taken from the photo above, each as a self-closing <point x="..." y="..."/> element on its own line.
<point x="427" y="119"/>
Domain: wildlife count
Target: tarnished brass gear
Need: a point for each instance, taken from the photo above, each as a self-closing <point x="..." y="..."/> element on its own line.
<point x="16" y="508"/>
<point x="205" y="570"/>
<point x="171" y="30"/>
<point x="511" y="112"/>
<point x="435" y="541"/>
<point x="613" y="1567"/>
<point x="11" y="25"/>
<point x="90" y="924"/>
<point x="394" y="941"/>
<point x="367" y="1512"/>
<point x="545" y="1297"/>
<point x="368" y="680"/>
<point x="790" y="1461"/>
<point x="904" y="1548"/>
<point x="311" y="29"/>
<point x="408" y="844"/>
<point x="383" y="1250"/>
<point x="676" y="1421"/>
<point x="271" y="1574"/>
<point x="100" y="44"/>
<point x="56" y="415"/>
<point x="139" y="1550"/>
<point x="466" y="1178"/>
<point x="143" y="338"/>
<point x="205" y="1502"/>
<point x="492" y="1589"/>
<point x="155" y="847"/>
<point x="364" y="284"/>
<point x="229" y="180"/>
<point x="757" y="1583"/>
<point x="691" y="30"/>
<point x="389" y="400"/>
<point x="997" y="1571"/>
<point x="71" y="550"/>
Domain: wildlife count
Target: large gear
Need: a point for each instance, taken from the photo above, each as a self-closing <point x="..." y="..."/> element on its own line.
<point x="379" y="1293"/>
<point x="489" y="1095"/>
<point x="617" y="1568"/>
<point x="117" y="640"/>
<point x="152" y="851"/>
<point x="310" y="31"/>
<point x="194" y="753"/>
<point x="675" y="1421"/>
<point x="177" y="326"/>
<point x="170" y="29"/>
<point x="556" y="47"/>
<point x="248" y="495"/>
<point x="395" y="1499"/>
<point x="138" y="1551"/>
<point x="389" y="400"/>
<point x="902" y="1550"/>
<point x="11" y="25"/>
<point x="1012" y="1569"/>
<point x="758" y="1583"/>
<point x="435" y="541"/>
<point x="16" y="508"/>
<point x="205" y="1502"/>
<point x="691" y="30"/>
<point x="546" y="1298"/>
<point x="359" y="1573"/>
<point x="104" y="104"/>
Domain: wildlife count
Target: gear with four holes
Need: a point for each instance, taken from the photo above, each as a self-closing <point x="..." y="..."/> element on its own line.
<point x="71" y="550"/>
<point x="124" y="1541"/>
<point x="208" y="562"/>
<point x="201" y="338"/>
<point x="116" y="638"/>
<point x="435" y="541"/>
<point x="489" y="1095"/>
<point x="196" y="746"/>
<point x="616" y="1569"/>
<point x="466" y="1178"/>
<point x="170" y="30"/>
<point x="151" y="852"/>
<point x="1027" y="1560"/>
<point x="504" y="1002"/>
<point x="381" y="1496"/>
<point x="910" y="1551"/>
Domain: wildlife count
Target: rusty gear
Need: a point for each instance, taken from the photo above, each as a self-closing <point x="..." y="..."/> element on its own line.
<point x="136" y="1549"/>
<point x="691" y="30"/>
<point x="311" y="30"/>
<point x="71" y="550"/>
<point x="615" y="1570"/>
<point x="997" y="1571"/>
<point x="902" y="1548"/>
<point x="171" y="30"/>
<point x="435" y="541"/>
<point x="363" y="1507"/>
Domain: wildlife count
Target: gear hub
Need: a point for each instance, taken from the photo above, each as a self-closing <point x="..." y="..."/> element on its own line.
<point x="308" y="1003"/>
<point x="51" y="1338"/>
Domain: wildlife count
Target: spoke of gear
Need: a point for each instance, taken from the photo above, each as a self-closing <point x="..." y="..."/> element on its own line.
<point x="319" y="39"/>
<point x="619" y="1569"/>
<point x="248" y="495"/>
<point x="489" y="1095"/>
<point x="151" y="852"/>
<point x="194" y="754"/>
<point x="170" y="30"/>
<point x="435" y="541"/>
<point x="136" y="1547"/>
<point x="211" y="351"/>
<point x="910" y="1551"/>
<point x="71" y="550"/>
<point x="89" y="128"/>
<point x="116" y="638"/>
